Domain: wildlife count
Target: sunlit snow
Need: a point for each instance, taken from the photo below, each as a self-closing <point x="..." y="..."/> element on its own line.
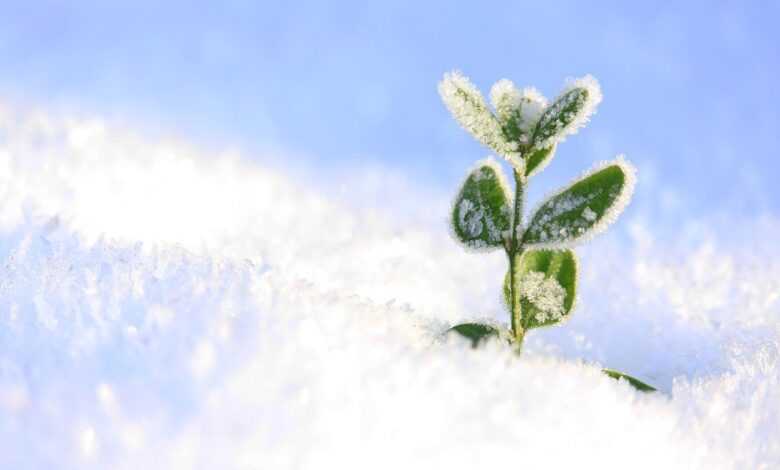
<point x="165" y="307"/>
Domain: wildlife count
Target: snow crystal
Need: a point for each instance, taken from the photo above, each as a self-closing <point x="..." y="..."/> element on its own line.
<point x="468" y="107"/>
<point x="521" y="108"/>
<point x="470" y="217"/>
<point x="546" y="294"/>
<point x="505" y="98"/>
<point x="533" y="105"/>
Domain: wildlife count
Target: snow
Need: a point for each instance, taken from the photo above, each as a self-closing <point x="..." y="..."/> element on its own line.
<point x="163" y="306"/>
<point x="547" y="295"/>
<point x="525" y="106"/>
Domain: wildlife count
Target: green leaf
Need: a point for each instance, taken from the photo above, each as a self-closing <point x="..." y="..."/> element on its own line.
<point x="570" y="111"/>
<point x="481" y="214"/>
<point x="547" y="283"/>
<point x="583" y="209"/>
<point x="506" y="100"/>
<point x="476" y="332"/>
<point x="468" y="107"/>
<point x="538" y="159"/>
<point x="560" y="114"/>
<point x="517" y="110"/>
<point x="636" y="383"/>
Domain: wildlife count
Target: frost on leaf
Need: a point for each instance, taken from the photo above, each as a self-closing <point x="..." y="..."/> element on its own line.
<point x="505" y="98"/>
<point x="546" y="284"/>
<point x="537" y="160"/>
<point x="583" y="209"/>
<point x="568" y="113"/>
<point x="517" y="110"/>
<point x="469" y="108"/>
<point x="544" y="294"/>
<point x="481" y="212"/>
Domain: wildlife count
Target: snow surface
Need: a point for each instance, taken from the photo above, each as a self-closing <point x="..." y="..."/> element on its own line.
<point x="166" y="307"/>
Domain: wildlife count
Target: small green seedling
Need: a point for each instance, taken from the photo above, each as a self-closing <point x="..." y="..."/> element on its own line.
<point x="541" y="284"/>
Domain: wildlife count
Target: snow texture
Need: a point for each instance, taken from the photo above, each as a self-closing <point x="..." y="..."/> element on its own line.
<point x="165" y="307"/>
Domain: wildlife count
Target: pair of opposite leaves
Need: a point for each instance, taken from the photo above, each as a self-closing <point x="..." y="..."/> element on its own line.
<point x="526" y="131"/>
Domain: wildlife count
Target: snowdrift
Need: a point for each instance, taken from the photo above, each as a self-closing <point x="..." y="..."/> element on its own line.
<point x="164" y="307"/>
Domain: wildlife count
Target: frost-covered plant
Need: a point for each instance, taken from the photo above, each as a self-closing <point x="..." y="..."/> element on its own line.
<point x="540" y="285"/>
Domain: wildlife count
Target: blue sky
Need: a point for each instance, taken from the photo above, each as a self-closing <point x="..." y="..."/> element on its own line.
<point x="690" y="89"/>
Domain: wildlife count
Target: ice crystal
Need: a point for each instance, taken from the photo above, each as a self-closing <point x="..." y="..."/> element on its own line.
<point x="518" y="111"/>
<point x="546" y="294"/>
<point x="506" y="99"/>
<point x="569" y="112"/>
<point x="469" y="108"/>
<point x="532" y="106"/>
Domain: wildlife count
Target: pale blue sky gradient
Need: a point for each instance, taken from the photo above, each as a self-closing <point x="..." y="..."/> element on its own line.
<point x="690" y="89"/>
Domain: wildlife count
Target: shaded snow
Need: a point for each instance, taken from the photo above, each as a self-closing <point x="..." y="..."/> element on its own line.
<point x="165" y="308"/>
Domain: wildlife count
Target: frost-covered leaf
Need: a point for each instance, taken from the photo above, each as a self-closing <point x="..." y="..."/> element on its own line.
<point x="636" y="383"/>
<point x="505" y="98"/>
<point x="584" y="208"/>
<point x="537" y="160"/>
<point x="568" y="113"/>
<point x="517" y="110"/>
<point x="476" y="332"/>
<point x="481" y="213"/>
<point x="469" y="108"/>
<point x="547" y="285"/>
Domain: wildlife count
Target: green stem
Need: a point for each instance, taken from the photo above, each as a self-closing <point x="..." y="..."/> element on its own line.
<point x="515" y="251"/>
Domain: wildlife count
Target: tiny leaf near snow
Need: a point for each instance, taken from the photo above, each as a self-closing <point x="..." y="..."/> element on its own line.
<point x="634" y="382"/>
<point x="481" y="214"/>
<point x="547" y="283"/>
<point x="478" y="333"/>
<point x="583" y="209"/>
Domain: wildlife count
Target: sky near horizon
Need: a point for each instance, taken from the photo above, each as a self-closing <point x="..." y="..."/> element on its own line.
<point x="690" y="89"/>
